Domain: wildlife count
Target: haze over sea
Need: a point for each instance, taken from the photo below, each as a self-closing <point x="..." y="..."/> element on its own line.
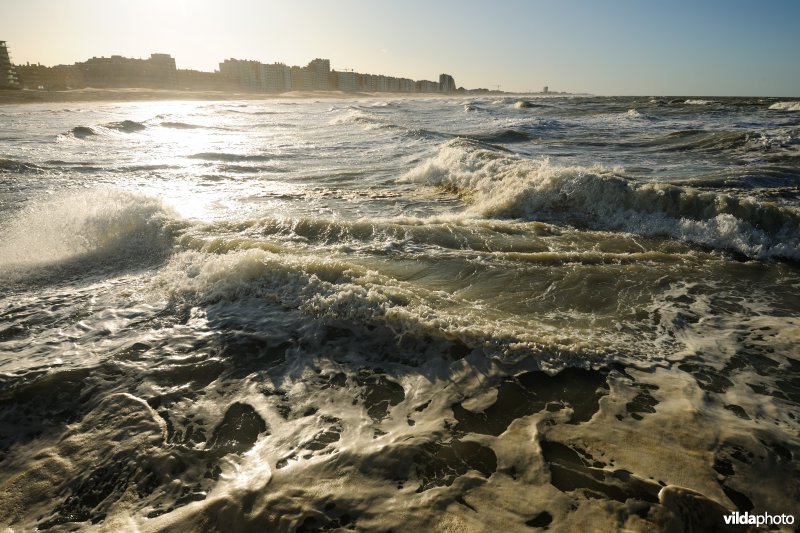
<point x="399" y="314"/>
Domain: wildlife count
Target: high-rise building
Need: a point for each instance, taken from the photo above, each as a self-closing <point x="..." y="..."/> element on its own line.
<point x="242" y="73"/>
<point x="8" y="75"/>
<point x="346" y="81"/>
<point x="202" y="81"/>
<point x="446" y="83"/>
<point x="320" y="70"/>
<point x="427" y="86"/>
<point x="277" y="77"/>
<point x="116" y="71"/>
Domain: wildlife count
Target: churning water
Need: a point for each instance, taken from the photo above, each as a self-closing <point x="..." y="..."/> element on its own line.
<point x="452" y="314"/>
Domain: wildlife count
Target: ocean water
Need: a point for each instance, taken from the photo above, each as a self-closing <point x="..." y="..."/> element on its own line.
<point x="439" y="314"/>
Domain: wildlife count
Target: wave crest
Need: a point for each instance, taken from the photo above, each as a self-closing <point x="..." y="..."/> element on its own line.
<point x="127" y="126"/>
<point x="503" y="185"/>
<point x="88" y="225"/>
<point x="786" y="106"/>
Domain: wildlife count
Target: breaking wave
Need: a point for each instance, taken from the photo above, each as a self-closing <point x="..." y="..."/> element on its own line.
<point x="503" y="136"/>
<point x="126" y="126"/>
<point x="92" y="226"/>
<point x="717" y="141"/>
<point x="223" y="156"/>
<point x="786" y="106"/>
<point x="82" y="132"/>
<point x="502" y="185"/>
<point x="357" y="116"/>
<point x="11" y="165"/>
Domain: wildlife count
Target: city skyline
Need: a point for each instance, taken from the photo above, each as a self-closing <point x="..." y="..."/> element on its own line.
<point x="160" y="71"/>
<point x="622" y="47"/>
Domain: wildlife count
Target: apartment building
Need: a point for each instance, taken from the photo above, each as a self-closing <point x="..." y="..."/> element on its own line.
<point x="8" y="74"/>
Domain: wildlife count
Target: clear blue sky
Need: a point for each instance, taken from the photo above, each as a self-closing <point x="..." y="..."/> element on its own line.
<point x="647" y="47"/>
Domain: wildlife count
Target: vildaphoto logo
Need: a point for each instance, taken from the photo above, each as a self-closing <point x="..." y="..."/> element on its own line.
<point x="765" y="519"/>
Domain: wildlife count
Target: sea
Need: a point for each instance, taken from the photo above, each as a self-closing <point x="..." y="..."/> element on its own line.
<point x="455" y="313"/>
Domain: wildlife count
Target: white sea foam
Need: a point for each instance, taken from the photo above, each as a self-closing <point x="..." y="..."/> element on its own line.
<point x="786" y="106"/>
<point x="358" y="116"/>
<point x="369" y="333"/>
<point x="697" y="102"/>
<point x="636" y="114"/>
<point x="86" y="224"/>
<point x="497" y="184"/>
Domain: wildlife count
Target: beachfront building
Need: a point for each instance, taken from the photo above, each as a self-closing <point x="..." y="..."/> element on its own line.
<point x="8" y="74"/>
<point x="160" y="72"/>
<point x="198" y="80"/>
<point x="426" y="86"/>
<point x="277" y="77"/>
<point x="157" y="72"/>
<point x="446" y="83"/>
<point x="34" y="76"/>
<point x="345" y="81"/>
<point x="57" y="78"/>
<point x="242" y="74"/>
<point x="301" y="79"/>
<point x="406" y="85"/>
<point x="320" y="70"/>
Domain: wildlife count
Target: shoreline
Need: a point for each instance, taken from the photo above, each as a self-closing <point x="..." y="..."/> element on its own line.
<point x="11" y="97"/>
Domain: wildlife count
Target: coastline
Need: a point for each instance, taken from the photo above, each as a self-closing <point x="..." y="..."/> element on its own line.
<point x="140" y="94"/>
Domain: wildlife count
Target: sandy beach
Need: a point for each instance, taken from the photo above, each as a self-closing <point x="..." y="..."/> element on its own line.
<point x="140" y="94"/>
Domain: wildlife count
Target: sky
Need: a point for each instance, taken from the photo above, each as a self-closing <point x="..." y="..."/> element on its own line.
<point x="611" y="47"/>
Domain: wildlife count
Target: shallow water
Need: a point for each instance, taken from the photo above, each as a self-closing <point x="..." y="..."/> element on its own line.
<point x="392" y="314"/>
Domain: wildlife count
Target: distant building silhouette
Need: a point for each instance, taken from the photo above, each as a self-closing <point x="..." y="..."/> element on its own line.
<point x="56" y="78"/>
<point x="242" y="73"/>
<point x="345" y="81"/>
<point x="320" y="70"/>
<point x="8" y="74"/>
<point x="446" y="83"/>
<point x="159" y="72"/>
<point x="201" y="81"/>
<point x="277" y="77"/>
<point x="426" y="86"/>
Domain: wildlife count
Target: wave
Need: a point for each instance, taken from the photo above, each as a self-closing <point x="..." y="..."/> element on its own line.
<point x="786" y="106"/>
<point x="11" y="165"/>
<point x="423" y="133"/>
<point x="223" y="156"/>
<point x="697" y="102"/>
<point x="87" y="226"/>
<point x="717" y="141"/>
<point x="250" y="169"/>
<point x="334" y="288"/>
<point x="525" y="104"/>
<point x="61" y="162"/>
<point x="637" y="115"/>
<point x="239" y="112"/>
<point x="126" y="126"/>
<point x="375" y="236"/>
<point x="180" y="125"/>
<point x="82" y="132"/>
<point x="140" y="168"/>
<point x="502" y="185"/>
<point x="358" y="116"/>
<point x="506" y="136"/>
